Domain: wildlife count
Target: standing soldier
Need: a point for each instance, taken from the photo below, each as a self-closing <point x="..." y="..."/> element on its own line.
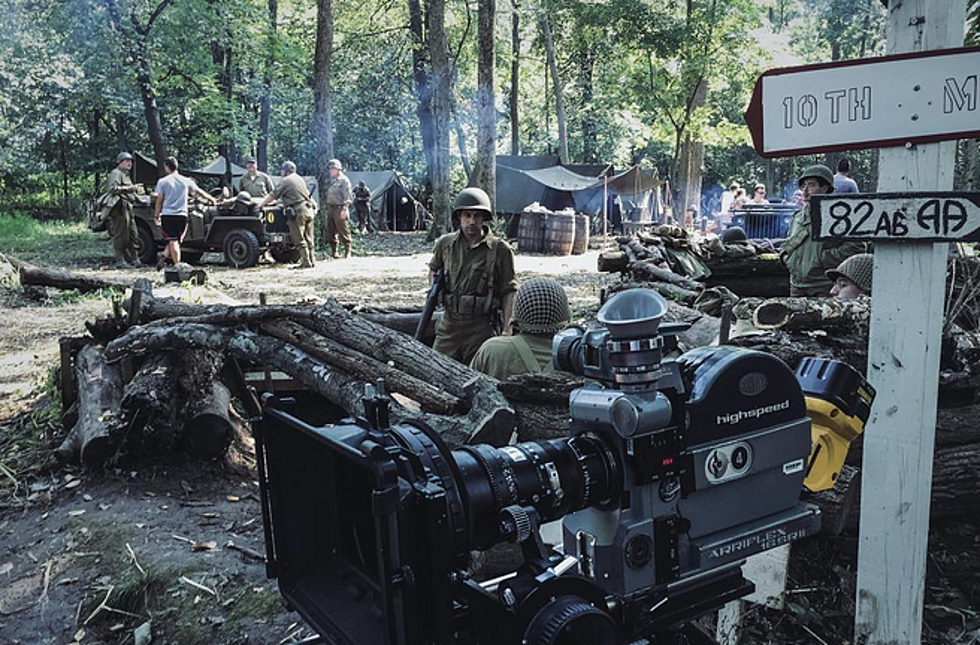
<point x="808" y="260"/>
<point x="479" y="279"/>
<point x="362" y="206"/>
<point x="255" y="183"/>
<point x="117" y="200"/>
<point x="338" y="208"/>
<point x="299" y="210"/>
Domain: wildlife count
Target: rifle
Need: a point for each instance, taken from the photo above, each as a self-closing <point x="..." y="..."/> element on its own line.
<point x="431" y="300"/>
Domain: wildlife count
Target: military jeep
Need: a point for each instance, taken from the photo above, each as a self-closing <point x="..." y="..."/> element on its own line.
<point x="235" y="227"/>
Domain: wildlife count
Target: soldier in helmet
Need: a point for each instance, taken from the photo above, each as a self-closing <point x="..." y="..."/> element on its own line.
<point x="299" y="209"/>
<point x="479" y="278"/>
<point x="117" y="199"/>
<point x="808" y="260"/>
<point x="540" y="311"/>
<point x="339" y="197"/>
<point x="254" y="182"/>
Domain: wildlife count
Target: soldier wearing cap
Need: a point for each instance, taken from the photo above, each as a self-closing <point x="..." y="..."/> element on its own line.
<point x="808" y="260"/>
<point x="118" y="196"/>
<point x="299" y="209"/>
<point x="339" y="197"/>
<point x="479" y="279"/>
<point x="254" y="182"/>
<point x="540" y="311"/>
<point x="853" y="278"/>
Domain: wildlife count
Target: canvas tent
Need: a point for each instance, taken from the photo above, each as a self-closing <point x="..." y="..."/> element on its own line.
<point x="582" y="187"/>
<point x="145" y="170"/>
<point x="391" y="202"/>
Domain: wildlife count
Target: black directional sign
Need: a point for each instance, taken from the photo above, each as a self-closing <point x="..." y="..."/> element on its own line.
<point x="919" y="217"/>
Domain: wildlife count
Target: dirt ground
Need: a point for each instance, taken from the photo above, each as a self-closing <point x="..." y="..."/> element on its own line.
<point x="88" y="557"/>
<point x="91" y="557"/>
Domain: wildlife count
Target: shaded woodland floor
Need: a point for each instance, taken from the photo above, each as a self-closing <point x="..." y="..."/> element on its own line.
<point x="89" y="557"/>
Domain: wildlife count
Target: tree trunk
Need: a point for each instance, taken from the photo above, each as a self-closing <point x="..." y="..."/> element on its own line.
<point x="812" y="313"/>
<point x="150" y="408"/>
<point x="541" y="403"/>
<point x="99" y="392"/>
<point x="486" y="420"/>
<point x="486" y="132"/>
<point x="423" y="81"/>
<point x="515" y="78"/>
<point x="549" y="48"/>
<point x="435" y="22"/>
<point x="464" y="155"/>
<point x="154" y="125"/>
<point x="211" y="423"/>
<point x="590" y="143"/>
<point x="367" y="369"/>
<point x="47" y="277"/>
<point x="265" y="107"/>
<point x="322" y="105"/>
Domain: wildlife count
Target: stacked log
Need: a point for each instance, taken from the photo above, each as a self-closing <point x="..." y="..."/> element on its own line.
<point x="179" y="394"/>
<point x="644" y="260"/>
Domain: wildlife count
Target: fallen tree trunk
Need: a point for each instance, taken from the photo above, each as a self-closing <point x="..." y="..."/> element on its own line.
<point x="541" y="403"/>
<point x="99" y="392"/>
<point x="491" y="416"/>
<point x="343" y="389"/>
<point x="150" y="406"/>
<point x="649" y="271"/>
<point x="613" y="261"/>
<point x="812" y="313"/>
<point x="46" y="277"/>
<point x="211" y="423"/>
<point x="431" y="398"/>
<point x="838" y="503"/>
<point x="793" y="347"/>
<point x="758" y="276"/>
<point x="669" y="291"/>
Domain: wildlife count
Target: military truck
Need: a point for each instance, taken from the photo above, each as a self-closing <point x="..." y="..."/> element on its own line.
<point x="236" y="227"/>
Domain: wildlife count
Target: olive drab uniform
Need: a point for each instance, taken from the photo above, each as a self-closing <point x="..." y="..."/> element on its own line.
<point x="506" y="356"/>
<point x="300" y="211"/>
<point x="117" y="207"/>
<point x="477" y="279"/>
<point x="808" y="260"/>
<point x="338" y="194"/>
<point x="362" y="206"/>
<point x="258" y="186"/>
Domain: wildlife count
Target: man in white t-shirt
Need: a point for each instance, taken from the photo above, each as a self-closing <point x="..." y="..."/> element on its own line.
<point x="171" y="207"/>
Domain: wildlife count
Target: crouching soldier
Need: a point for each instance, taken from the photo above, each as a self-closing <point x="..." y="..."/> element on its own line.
<point x="540" y="311"/>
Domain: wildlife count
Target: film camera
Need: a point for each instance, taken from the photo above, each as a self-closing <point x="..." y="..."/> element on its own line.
<point x="672" y="473"/>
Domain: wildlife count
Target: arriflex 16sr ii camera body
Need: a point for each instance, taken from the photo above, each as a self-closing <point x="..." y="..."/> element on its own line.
<point x="673" y="472"/>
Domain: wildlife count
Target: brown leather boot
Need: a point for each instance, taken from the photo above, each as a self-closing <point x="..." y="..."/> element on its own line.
<point x="346" y="251"/>
<point x="333" y="251"/>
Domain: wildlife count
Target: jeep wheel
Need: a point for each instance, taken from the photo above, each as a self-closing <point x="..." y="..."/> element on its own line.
<point x="241" y="248"/>
<point x="146" y="246"/>
<point x="285" y="254"/>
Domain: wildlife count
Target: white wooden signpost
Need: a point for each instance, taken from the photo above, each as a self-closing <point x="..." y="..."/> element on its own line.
<point x="905" y="102"/>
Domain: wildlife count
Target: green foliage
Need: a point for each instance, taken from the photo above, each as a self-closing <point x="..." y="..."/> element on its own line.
<point x="69" y="97"/>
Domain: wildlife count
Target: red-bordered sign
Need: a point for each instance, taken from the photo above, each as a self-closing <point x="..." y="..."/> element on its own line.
<point x="919" y="97"/>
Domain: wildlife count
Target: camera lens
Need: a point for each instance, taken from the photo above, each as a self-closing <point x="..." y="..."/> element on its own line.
<point x="566" y="352"/>
<point x="556" y="477"/>
<point x="569" y="620"/>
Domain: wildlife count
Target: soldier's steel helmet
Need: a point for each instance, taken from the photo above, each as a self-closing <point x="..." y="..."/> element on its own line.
<point x="821" y="173"/>
<point x="859" y="269"/>
<point x="734" y="234"/>
<point x="335" y="163"/>
<point x="541" y="307"/>
<point x="288" y="166"/>
<point x="244" y="197"/>
<point x="123" y="156"/>
<point x="472" y="199"/>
